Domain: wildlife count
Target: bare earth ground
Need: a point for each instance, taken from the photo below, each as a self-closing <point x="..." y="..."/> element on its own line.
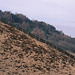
<point x="22" y="55"/>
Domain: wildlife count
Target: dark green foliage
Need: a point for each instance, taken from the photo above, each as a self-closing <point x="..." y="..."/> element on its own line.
<point x="16" y="19"/>
<point x="3" y="20"/>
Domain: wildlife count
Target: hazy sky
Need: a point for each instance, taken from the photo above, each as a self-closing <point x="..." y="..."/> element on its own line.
<point x="60" y="13"/>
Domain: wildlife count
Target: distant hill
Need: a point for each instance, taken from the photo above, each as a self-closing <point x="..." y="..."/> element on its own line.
<point x="40" y="29"/>
<point x="21" y="54"/>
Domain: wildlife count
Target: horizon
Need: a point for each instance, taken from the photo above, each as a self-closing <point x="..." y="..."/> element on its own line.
<point x="60" y="14"/>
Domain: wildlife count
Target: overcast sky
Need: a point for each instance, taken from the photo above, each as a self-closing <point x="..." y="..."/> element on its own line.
<point x="59" y="13"/>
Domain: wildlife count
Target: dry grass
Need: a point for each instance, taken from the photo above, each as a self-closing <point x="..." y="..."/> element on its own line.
<point x="22" y="55"/>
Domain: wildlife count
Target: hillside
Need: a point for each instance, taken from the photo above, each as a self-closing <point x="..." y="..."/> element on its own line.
<point x="40" y="29"/>
<point x="21" y="54"/>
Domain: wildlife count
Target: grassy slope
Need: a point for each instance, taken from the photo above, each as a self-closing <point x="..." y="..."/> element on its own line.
<point x="20" y="54"/>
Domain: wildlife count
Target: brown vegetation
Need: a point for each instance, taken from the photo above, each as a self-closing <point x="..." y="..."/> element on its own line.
<point x="22" y="55"/>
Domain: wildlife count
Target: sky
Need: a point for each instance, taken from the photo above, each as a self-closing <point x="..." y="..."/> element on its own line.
<point x="59" y="13"/>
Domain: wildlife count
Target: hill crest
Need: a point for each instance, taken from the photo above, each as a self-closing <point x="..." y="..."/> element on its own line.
<point x="48" y="31"/>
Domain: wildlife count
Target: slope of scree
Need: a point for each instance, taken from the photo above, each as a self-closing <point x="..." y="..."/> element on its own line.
<point x="20" y="54"/>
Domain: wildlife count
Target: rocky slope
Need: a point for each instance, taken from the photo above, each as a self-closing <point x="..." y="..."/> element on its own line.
<point x="21" y="54"/>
